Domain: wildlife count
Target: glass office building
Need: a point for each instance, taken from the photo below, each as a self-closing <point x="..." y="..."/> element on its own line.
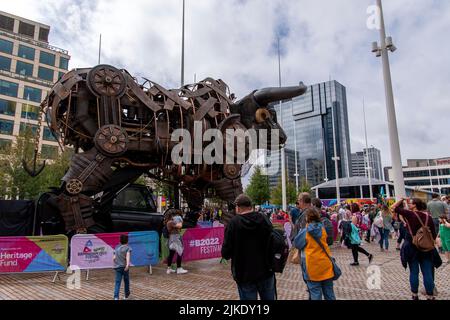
<point x="29" y="66"/>
<point x="308" y="123"/>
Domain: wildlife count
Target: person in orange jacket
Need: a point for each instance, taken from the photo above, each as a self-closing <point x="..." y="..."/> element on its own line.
<point x="316" y="265"/>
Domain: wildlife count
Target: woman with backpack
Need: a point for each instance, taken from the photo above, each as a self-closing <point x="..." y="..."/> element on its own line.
<point x="316" y="262"/>
<point x="355" y="243"/>
<point x="418" y="248"/>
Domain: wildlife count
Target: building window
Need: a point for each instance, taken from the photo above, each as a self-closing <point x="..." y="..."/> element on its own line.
<point x="8" y="88"/>
<point x="7" y="107"/>
<point x="64" y="63"/>
<point x="5" y="63"/>
<point x="47" y="58"/>
<point x="26" y="52"/>
<point x="49" y="152"/>
<point x="43" y="34"/>
<point x="6" y="46"/>
<point x="6" y="23"/>
<point x="46" y="74"/>
<point x="25" y="69"/>
<point x="24" y="127"/>
<point x="6" y="126"/>
<point x="48" y="134"/>
<point x="5" y="144"/>
<point x="26" y="29"/>
<point x="30" y="112"/>
<point x="32" y="94"/>
<point x="60" y="75"/>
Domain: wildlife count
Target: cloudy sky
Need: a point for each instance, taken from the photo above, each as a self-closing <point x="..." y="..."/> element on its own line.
<point x="235" y="40"/>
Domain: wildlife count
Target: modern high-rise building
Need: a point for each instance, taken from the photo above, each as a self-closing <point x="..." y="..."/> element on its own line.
<point x="359" y="163"/>
<point x="307" y="121"/>
<point x="29" y="66"/>
<point x="425" y="174"/>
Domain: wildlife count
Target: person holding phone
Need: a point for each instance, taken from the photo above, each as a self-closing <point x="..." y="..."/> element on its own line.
<point x="413" y="211"/>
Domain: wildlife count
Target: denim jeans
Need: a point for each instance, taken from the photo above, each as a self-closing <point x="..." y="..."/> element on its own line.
<point x="426" y="267"/>
<point x="317" y="288"/>
<point x="265" y="289"/>
<point x="121" y="273"/>
<point x="402" y="233"/>
<point x="384" y="233"/>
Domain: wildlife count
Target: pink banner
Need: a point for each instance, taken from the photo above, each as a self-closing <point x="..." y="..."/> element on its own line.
<point x="95" y="251"/>
<point x="202" y="243"/>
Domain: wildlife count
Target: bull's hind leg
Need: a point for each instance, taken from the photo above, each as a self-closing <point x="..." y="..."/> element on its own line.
<point x="86" y="176"/>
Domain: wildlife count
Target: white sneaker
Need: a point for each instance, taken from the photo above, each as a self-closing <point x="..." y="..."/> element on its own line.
<point x="181" y="271"/>
<point x="170" y="270"/>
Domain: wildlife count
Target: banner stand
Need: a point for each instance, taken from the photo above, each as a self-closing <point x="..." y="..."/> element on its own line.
<point x="56" y="276"/>
<point x="150" y="270"/>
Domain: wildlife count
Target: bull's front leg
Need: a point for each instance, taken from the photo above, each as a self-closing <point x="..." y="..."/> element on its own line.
<point x="86" y="176"/>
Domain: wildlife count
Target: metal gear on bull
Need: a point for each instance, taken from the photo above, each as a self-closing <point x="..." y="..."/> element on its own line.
<point x="111" y="140"/>
<point x="74" y="186"/>
<point x="105" y="80"/>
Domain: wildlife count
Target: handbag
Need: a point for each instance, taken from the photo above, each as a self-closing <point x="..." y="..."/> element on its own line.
<point x="294" y="256"/>
<point x="336" y="270"/>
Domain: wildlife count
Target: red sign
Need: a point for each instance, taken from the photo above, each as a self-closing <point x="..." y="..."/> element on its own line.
<point x="202" y="243"/>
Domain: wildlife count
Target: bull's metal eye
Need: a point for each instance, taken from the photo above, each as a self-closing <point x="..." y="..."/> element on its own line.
<point x="262" y="115"/>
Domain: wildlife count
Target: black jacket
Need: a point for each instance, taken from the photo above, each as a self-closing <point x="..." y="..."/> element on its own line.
<point x="246" y="243"/>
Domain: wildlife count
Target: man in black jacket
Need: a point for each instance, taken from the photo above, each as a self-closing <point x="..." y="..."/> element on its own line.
<point x="246" y="241"/>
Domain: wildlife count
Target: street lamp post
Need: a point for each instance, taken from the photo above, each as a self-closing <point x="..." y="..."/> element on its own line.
<point x="382" y="50"/>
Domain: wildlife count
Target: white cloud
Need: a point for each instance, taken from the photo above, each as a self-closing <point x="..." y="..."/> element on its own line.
<point x="233" y="40"/>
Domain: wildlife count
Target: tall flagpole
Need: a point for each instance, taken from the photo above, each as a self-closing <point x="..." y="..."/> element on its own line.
<point x="335" y="158"/>
<point x="182" y="48"/>
<point x="99" y="48"/>
<point x="366" y="155"/>
<point x="283" y="160"/>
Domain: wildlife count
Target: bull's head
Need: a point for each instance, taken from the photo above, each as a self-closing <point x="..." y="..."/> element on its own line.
<point x="256" y="110"/>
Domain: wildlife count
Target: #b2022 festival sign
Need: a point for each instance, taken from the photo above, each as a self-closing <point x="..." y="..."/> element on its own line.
<point x="95" y="251"/>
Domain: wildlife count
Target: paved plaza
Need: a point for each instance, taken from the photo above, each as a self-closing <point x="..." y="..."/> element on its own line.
<point x="210" y="280"/>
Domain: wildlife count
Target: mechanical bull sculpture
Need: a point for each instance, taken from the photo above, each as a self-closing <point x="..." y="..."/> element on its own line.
<point x="120" y="129"/>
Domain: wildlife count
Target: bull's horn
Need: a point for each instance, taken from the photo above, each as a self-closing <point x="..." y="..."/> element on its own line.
<point x="268" y="95"/>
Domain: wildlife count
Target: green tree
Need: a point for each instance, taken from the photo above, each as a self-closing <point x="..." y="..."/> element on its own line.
<point x="305" y="186"/>
<point x="291" y="193"/>
<point x="15" y="182"/>
<point x="258" y="189"/>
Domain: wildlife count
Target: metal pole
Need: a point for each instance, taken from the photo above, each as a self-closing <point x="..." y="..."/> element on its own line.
<point x="182" y="49"/>
<point x="295" y="149"/>
<point x="99" y="48"/>
<point x="283" y="160"/>
<point x="335" y="158"/>
<point x="399" y="183"/>
<point x="367" y="155"/>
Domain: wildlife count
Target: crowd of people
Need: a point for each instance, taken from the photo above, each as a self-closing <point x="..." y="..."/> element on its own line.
<point x="417" y="227"/>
